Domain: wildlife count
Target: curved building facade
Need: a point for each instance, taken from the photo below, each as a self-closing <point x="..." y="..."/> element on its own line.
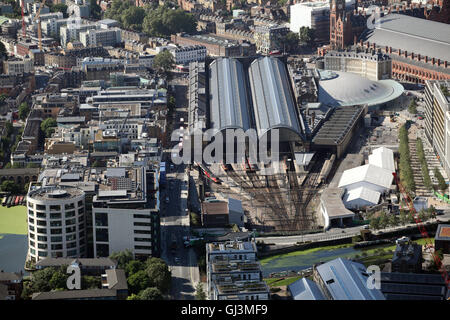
<point x="273" y="104"/>
<point x="56" y="223"/>
<point x="229" y="106"/>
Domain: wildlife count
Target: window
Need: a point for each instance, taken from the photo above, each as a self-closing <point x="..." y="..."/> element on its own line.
<point x="330" y="281"/>
<point x="31" y="228"/>
<point x="56" y="231"/>
<point x="40" y="215"/>
<point x="142" y="224"/>
<point x="141" y="216"/>
<point x="42" y="253"/>
<point x="42" y="223"/>
<point x="42" y="238"/>
<point x="30" y="212"/>
<point x="41" y="230"/>
<point x="32" y="244"/>
<point x="56" y="239"/>
<point x="70" y="222"/>
<point x="55" y="223"/>
<point x="70" y="214"/>
<point x="101" y="235"/>
<point x="80" y="203"/>
<point x="30" y="220"/>
<point x="55" y="215"/>
<point x="143" y="247"/>
<point x="31" y="235"/>
<point x="71" y="237"/>
<point x="102" y="250"/>
<point x="42" y="245"/>
<point x="72" y="252"/>
<point x="40" y="207"/>
<point x="71" y="245"/>
<point x="69" y="206"/>
<point x="142" y="232"/>
<point x="71" y="229"/>
<point x="101" y="219"/>
<point x="55" y="208"/>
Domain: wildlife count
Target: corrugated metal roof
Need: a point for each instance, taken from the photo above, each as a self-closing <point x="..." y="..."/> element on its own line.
<point x="347" y="280"/>
<point x="272" y="99"/>
<point x="365" y="194"/>
<point x="305" y="289"/>
<point x="421" y="36"/>
<point x="229" y="99"/>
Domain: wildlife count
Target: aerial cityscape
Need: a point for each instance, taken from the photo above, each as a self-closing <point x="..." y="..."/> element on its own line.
<point x="235" y="150"/>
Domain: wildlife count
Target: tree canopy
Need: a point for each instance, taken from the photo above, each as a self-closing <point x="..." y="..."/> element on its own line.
<point x="291" y="41"/>
<point x="306" y="35"/>
<point x="96" y="10"/>
<point x="47" y="126"/>
<point x="122" y="258"/>
<point x="23" y="111"/>
<point x="163" y="63"/>
<point x="151" y="293"/>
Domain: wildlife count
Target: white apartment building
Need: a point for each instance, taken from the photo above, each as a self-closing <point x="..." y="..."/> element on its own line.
<point x="72" y="30"/>
<point x="187" y="54"/>
<point x="100" y="37"/>
<point x="146" y="60"/>
<point x="51" y="27"/>
<point x="56" y="222"/>
<point x="18" y="67"/>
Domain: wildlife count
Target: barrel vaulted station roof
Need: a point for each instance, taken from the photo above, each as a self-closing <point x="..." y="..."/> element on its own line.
<point x="273" y="104"/>
<point x="229" y="104"/>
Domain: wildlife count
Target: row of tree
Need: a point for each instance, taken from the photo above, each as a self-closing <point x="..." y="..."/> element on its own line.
<point x="384" y="220"/>
<point x="406" y="172"/>
<point x="53" y="278"/>
<point x="148" y="280"/>
<point x="423" y="164"/>
<point x="154" y="20"/>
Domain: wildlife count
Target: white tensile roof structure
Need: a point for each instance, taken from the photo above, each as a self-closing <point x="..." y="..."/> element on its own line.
<point x="361" y="196"/>
<point x="383" y="158"/>
<point x="368" y="174"/>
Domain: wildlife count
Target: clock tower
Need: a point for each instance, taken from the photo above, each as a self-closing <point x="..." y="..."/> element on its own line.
<point x="337" y="20"/>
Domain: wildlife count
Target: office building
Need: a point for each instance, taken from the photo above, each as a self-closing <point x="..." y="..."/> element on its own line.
<point x="101" y="37"/>
<point x="442" y="239"/>
<point x="407" y="257"/>
<point x="269" y="38"/>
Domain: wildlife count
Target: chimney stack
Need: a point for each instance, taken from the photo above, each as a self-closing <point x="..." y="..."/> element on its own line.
<point x="399" y="52"/>
<point x="426" y="59"/>
<point x="432" y="61"/>
<point x="445" y="63"/>
<point x="418" y="56"/>
<point x="406" y="54"/>
<point x="390" y="49"/>
<point x="412" y="55"/>
<point x="438" y="62"/>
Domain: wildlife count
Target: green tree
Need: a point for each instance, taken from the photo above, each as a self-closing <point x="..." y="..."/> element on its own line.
<point x="159" y="274"/>
<point x="138" y="281"/>
<point x="199" y="292"/>
<point x="3" y="52"/>
<point x="10" y="186"/>
<point x="132" y="18"/>
<point x="133" y="297"/>
<point x="58" y="280"/>
<point x="163" y="63"/>
<point x="47" y="126"/>
<point x="96" y="10"/>
<point x="393" y="220"/>
<point x="291" y="41"/>
<point x="122" y="258"/>
<point x="384" y="221"/>
<point x="41" y="280"/>
<point x="91" y="282"/>
<point x="151" y="293"/>
<point x="403" y="217"/>
<point x="306" y="35"/>
<point x="441" y="181"/>
<point x="59" y="7"/>
<point x="133" y="267"/>
<point x="412" y="108"/>
<point x="9" y="128"/>
<point x="163" y="21"/>
<point x="23" y="111"/>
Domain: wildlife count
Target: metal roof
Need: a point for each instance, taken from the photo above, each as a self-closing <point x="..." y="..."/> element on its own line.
<point x="305" y="289"/>
<point x="228" y="91"/>
<point x="338" y="88"/>
<point x="362" y="193"/>
<point x="421" y="36"/>
<point x="272" y="99"/>
<point x="347" y="280"/>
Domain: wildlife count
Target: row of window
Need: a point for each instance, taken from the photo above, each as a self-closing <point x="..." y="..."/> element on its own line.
<point x="57" y="231"/>
<point x="69" y="245"/>
<point x="69" y="237"/>
<point x="54" y="254"/>
<point x="53" y="215"/>
<point x="55" y="207"/>
<point x="55" y="223"/>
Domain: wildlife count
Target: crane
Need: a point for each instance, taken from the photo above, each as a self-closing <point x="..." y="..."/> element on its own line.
<point x="39" y="24"/>
<point x="421" y="228"/>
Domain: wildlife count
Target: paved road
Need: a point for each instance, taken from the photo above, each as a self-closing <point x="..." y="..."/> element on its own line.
<point x="175" y="221"/>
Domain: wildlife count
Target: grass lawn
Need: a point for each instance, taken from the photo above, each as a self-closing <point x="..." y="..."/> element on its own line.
<point x="303" y="252"/>
<point x="277" y="282"/>
<point x="13" y="220"/>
